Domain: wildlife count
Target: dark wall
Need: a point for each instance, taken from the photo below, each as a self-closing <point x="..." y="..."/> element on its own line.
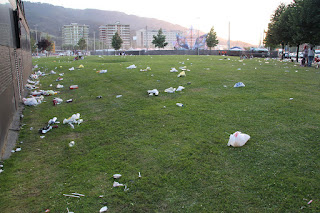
<point x="15" y="64"/>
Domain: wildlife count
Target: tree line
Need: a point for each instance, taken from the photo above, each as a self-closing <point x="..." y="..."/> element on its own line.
<point x="294" y="24"/>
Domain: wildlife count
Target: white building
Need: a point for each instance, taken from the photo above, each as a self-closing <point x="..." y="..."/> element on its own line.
<point x="106" y="32"/>
<point x="71" y="34"/>
<point x="144" y="38"/>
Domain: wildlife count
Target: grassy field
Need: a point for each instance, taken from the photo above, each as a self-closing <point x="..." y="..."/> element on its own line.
<point x="180" y="152"/>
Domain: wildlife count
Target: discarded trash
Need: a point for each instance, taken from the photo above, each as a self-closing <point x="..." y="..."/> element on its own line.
<point x="59" y="86"/>
<point x="59" y="79"/>
<point x="131" y="66"/>
<point x="81" y="66"/>
<point x="74" y="119"/>
<point x="170" y="90"/>
<point x="61" y="74"/>
<point x="71" y="195"/>
<point x="32" y="101"/>
<point x="103" y="209"/>
<point x="153" y="92"/>
<point x="146" y="69"/>
<point x="69" y="211"/>
<point x="180" y="88"/>
<point x="18" y="149"/>
<point x="74" y="87"/>
<point x="116" y="184"/>
<point x="173" y="69"/>
<point x="118" y="96"/>
<point x="53" y="121"/>
<point x="52" y="72"/>
<point x="77" y="194"/>
<point x="99" y="96"/>
<point x="116" y="176"/>
<point x="71" y="144"/>
<point x="45" y="129"/>
<point x="1" y="170"/>
<point x="238" y="139"/>
<point x="239" y="69"/>
<point x="42" y="136"/>
<point x="239" y="84"/>
<point x="72" y="68"/>
<point x="310" y="202"/>
<point x="182" y="74"/>
<point x="140" y="175"/>
<point x="69" y="101"/>
<point x="290" y="99"/>
<point x="102" y="71"/>
<point x="179" y="104"/>
<point x="57" y="101"/>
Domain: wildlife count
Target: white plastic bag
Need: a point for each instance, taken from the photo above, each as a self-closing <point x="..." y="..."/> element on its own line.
<point x="238" y="139"/>
<point x="239" y="84"/>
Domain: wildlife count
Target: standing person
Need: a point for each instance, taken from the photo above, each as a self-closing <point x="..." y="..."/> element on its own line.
<point x="305" y="56"/>
<point x="310" y="56"/>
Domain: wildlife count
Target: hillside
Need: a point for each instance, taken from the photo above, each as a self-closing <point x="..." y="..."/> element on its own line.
<point x="50" y="19"/>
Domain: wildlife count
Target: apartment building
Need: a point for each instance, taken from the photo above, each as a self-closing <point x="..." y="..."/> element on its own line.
<point x="106" y="32"/>
<point x="71" y="34"/>
<point x="144" y="38"/>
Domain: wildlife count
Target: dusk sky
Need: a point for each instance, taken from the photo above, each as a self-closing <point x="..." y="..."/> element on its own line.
<point x="248" y="18"/>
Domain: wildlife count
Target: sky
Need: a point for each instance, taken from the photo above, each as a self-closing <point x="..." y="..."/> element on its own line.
<point x="248" y="18"/>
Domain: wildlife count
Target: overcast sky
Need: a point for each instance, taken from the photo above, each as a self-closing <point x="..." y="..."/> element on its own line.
<point x="248" y="18"/>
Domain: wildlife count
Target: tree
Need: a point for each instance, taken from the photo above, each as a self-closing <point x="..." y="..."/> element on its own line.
<point x="116" y="41"/>
<point x="33" y="45"/>
<point x="159" y="40"/>
<point x="278" y="29"/>
<point x="82" y="43"/>
<point x="44" y="44"/>
<point x="212" y="40"/>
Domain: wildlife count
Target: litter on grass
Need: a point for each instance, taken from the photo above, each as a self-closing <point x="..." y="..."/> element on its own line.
<point x="116" y="176"/>
<point x="131" y="66"/>
<point x="153" y="92"/>
<point x="238" y="139"/>
<point x="103" y="209"/>
<point x="145" y="70"/>
<point x="239" y="84"/>
<point x="74" y="119"/>
<point x="72" y="68"/>
<point x="182" y="74"/>
<point x="173" y="69"/>
<point x="180" y="88"/>
<point x="118" y="96"/>
<point x="179" y="104"/>
<point x="170" y="90"/>
<point x="71" y="144"/>
<point x="32" y="101"/>
<point x="74" y="87"/>
<point x="116" y="184"/>
<point x="59" y="86"/>
<point x="57" y="101"/>
<point x="102" y="71"/>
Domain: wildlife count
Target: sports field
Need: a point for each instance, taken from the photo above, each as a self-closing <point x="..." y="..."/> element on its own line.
<point x="181" y="153"/>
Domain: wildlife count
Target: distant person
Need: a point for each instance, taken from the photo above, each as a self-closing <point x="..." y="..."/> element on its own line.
<point x="310" y="56"/>
<point x="304" y="56"/>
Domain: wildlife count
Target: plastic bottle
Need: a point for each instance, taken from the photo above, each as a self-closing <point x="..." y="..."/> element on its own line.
<point x="73" y="87"/>
<point x="179" y="104"/>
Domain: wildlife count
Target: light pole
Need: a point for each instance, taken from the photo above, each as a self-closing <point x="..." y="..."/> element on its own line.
<point x="37" y="38"/>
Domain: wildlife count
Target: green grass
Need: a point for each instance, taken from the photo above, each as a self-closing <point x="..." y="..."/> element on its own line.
<point x="181" y="152"/>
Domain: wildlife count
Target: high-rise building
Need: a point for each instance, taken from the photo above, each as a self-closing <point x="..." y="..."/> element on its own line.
<point x="71" y="34"/>
<point x="106" y="32"/>
<point x="144" y="38"/>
